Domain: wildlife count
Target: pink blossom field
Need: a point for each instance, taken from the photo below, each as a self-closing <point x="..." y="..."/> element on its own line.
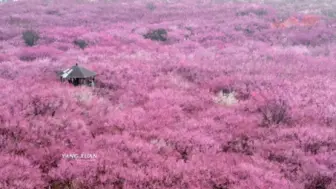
<point x="231" y="96"/>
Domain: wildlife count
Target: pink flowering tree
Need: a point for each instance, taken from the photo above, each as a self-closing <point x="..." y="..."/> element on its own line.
<point x="188" y="95"/>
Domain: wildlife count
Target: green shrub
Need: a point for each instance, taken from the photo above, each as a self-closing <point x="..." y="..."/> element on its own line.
<point x="157" y="35"/>
<point x="258" y="12"/>
<point x="80" y="43"/>
<point x="30" y="37"/>
<point x="150" y="6"/>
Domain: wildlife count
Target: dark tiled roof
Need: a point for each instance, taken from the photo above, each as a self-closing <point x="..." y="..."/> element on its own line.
<point x="77" y="72"/>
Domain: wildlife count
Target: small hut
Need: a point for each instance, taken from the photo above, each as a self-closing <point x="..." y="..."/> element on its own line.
<point x="78" y="76"/>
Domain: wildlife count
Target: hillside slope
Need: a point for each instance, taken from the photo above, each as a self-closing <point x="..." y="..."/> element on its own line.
<point x="189" y="94"/>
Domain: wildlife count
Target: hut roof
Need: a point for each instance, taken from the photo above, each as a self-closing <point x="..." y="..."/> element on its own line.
<point x="77" y="72"/>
